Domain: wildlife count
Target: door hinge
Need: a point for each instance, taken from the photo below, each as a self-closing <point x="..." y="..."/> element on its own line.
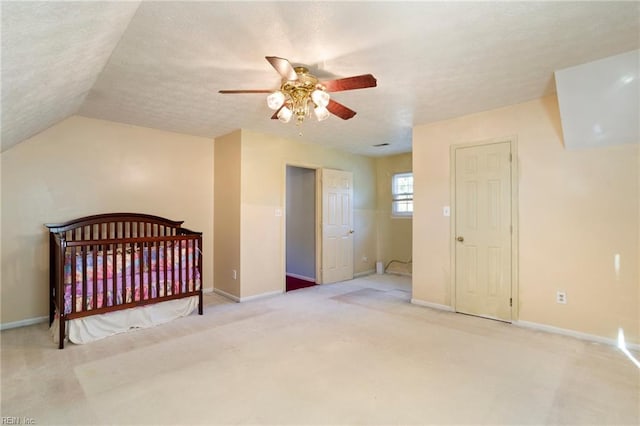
<point x="510" y="301"/>
<point x="510" y="157"/>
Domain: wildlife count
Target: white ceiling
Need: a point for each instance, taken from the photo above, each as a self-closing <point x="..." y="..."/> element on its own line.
<point x="161" y="64"/>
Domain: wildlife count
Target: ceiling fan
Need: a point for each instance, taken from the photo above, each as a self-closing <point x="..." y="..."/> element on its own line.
<point x="301" y="92"/>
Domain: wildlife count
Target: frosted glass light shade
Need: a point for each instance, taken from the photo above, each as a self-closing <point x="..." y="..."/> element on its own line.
<point x="275" y="100"/>
<point x="285" y="114"/>
<point x="320" y="98"/>
<point x="321" y="113"/>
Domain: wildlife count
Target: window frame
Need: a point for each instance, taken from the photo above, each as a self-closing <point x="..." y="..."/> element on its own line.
<point x="397" y="197"/>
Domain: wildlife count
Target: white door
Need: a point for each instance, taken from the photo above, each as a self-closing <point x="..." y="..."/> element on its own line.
<point x="483" y="230"/>
<point x="337" y="226"/>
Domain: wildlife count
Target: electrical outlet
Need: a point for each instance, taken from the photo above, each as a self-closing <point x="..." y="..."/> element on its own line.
<point x="365" y="259"/>
<point x="234" y="274"/>
<point x="561" y="297"/>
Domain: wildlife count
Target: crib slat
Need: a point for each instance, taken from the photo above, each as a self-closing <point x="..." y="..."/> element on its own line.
<point x="105" y="295"/>
<point x="188" y="250"/>
<point x="95" y="276"/>
<point x="180" y="282"/>
<point x="73" y="279"/>
<point x="173" y="267"/>
<point x="124" y="273"/>
<point x="114" y="269"/>
<point x="132" y="257"/>
<point x="84" y="253"/>
<point x="141" y="268"/>
<point x="166" y="253"/>
<point x="193" y="263"/>
<point x="150" y="269"/>
<point x="157" y="270"/>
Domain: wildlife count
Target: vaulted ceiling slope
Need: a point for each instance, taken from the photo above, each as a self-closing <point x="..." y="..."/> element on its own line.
<point x="160" y="64"/>
<point x="52" y="54"/>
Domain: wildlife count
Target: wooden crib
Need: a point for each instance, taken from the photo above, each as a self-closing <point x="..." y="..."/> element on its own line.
<point x="110" y="262"/>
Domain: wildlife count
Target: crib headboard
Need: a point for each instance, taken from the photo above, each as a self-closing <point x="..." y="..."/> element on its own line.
<point x="116" y="226"/>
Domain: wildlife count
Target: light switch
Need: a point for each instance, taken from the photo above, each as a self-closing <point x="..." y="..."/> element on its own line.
<point x="278" y="212"/>
<point x="446" y="211"/>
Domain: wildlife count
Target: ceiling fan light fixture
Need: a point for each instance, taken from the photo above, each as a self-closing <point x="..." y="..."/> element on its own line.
<point x="275" y="100"/>
<point x="321" y="113"/>
<point x="301" y="92"/>
<point x="320" y="98"/>
<point x="285" y="114"/>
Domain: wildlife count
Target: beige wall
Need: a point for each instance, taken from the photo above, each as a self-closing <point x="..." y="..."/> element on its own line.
<point x="394" y="234"/>
<point x="264" y="160"/>
<point x="227" y="213"/>
<point x="578" y="209"/>
<point x="83" y="166"/>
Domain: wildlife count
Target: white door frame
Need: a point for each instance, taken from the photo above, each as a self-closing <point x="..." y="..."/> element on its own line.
<point x="514" y="218"/>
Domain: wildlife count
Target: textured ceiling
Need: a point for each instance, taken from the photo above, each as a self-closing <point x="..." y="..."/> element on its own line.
<point x="160" y="64"/>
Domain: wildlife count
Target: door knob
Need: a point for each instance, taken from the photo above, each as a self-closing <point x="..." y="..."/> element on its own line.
<point x="461" y="239"/>
<point x="351" y="231"/>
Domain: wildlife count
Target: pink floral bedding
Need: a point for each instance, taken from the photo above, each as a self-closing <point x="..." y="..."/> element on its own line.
<point x="143" y="286"/>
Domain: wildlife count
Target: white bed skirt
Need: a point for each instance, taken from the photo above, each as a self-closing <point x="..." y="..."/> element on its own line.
<point x="96" y="327"/>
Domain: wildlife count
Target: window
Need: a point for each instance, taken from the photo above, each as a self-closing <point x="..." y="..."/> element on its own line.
<point x="402" y="195"/>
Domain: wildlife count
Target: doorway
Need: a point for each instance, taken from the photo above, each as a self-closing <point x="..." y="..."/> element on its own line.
<point x="300" y="228"/>
<point x="484" y="230"/>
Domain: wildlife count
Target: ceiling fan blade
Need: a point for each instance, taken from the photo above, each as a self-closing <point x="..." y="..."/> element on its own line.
<point x="245" y="91"/>
<point x="275" y="114"/>
<point x="284" y="67"/>
<point x="340" y="110"/>
<point x="350" y="83"/>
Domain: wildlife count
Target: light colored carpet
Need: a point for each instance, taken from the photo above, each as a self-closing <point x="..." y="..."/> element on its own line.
<point x="349" y="353"/>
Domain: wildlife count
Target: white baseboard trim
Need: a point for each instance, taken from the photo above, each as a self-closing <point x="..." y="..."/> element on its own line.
<point x="542" y="327"/>
<point x="261" y="295"/>
<point x="225" y="294"/>
<point x="572" y="333"/>
<point x="207" y="290"/>
<point x="404" y="274"/>
<point x="248" y="298"/>
<point x="301" y="277"/>
<point x="23" y="323"/>
<point x="364" y="273"/>
<point x="432" y="305"/>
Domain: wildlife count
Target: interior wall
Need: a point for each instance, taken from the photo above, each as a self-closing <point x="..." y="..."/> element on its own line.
<point x="227" y="213"/>
<point x="577" y="211"/>
<point x="264" y="160"/>
<point x="301" y="222"/>
<point x="394" y="234"/>
<point x="83" y="166"/>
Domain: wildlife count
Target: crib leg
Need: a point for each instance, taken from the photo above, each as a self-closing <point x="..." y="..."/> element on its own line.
<point x="200" y="303"/>
<point x="52" y="308"/>
<point x="61" y="332"/>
